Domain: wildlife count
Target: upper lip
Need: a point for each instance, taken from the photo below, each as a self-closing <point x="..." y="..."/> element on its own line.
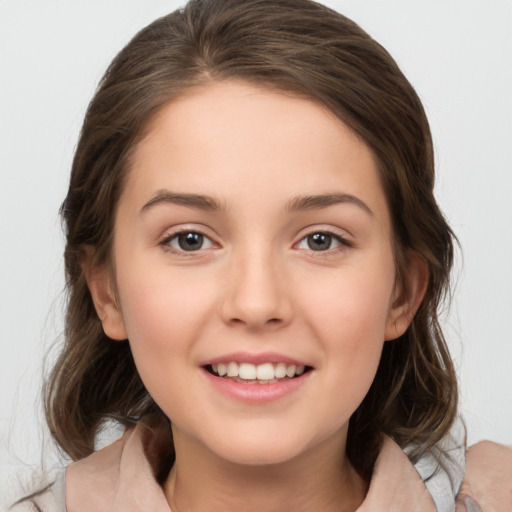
<point x="247" y="357"/>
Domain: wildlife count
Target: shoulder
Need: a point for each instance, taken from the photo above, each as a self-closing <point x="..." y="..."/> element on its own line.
<point x="403" y="482"/>
<point x="395" y="484"/>
<point x="442" y="467"/>
<point x="488" y="477"/>
<point x="49" y="496"/>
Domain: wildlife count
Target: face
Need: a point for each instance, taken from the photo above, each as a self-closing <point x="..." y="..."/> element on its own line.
<point x="254" y="271"/>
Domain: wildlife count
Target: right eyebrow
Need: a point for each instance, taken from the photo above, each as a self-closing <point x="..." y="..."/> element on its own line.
<point x="316" y="202"/>
<point x="198" y="201"/>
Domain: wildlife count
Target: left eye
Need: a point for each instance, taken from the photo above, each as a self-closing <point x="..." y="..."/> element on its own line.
<point x="320" y="242"/>
<point x="188" y="241"/>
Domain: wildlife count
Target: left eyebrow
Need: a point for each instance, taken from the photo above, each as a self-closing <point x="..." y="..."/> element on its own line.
<point x="198" y="201"/>
<point x="316" y="202"/>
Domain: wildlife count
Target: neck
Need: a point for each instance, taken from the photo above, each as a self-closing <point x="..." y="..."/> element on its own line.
<point x="201" y="481"/>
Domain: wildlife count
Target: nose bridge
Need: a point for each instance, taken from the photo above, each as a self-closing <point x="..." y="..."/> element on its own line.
<point x="257" y="295"/>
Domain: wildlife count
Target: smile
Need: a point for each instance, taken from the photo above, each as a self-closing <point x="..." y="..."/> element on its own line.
<point x="248" y="373"/>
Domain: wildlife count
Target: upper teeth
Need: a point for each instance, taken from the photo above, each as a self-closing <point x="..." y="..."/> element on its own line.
<point x="265" y="371"/>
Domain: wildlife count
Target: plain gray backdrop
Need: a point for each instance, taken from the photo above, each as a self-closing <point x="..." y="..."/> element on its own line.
<point x="456" y="53"/>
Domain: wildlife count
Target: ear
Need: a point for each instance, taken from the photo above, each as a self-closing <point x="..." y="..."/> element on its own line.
<point x="101" y="285"/>
<point x="408" y="295"/>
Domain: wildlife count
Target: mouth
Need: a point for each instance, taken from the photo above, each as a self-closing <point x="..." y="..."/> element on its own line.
<point x="248" y="373"/>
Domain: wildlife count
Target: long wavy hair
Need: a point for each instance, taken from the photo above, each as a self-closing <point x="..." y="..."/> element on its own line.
<point x="288" y="45"/>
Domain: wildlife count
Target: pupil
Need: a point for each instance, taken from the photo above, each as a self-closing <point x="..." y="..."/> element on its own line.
<point x="190" y="241"/>
<point x="319" y="241"/>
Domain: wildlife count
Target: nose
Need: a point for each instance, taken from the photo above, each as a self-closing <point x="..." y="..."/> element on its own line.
<point x="256" y="294"/>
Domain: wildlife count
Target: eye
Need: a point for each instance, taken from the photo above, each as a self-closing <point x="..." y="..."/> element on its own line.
<point x="188" y="241"/>
<point x="321" y="241"/>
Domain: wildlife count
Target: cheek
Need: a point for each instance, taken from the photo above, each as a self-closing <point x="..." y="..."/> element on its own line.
<point x="352" y="306"/>
<point x="349" y="314"/>
<point x="162" y="324"/>
<point x="163" y="314"/>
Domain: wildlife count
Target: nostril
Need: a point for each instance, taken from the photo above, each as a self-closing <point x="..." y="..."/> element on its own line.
<point x="270" y="322"/>
<point x="236" y="322"/>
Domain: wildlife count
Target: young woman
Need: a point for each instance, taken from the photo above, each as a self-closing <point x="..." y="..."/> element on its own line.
<point x="255" y="262"/>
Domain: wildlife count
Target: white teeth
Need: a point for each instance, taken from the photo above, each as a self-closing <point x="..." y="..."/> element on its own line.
<point x="262" y="372"/>
<point x="265" y="371"/>
<point x="290" y="371"/>
<point x="247" y="371"/>
<point x="280" y="370"/>
<point x="232" y="369"/>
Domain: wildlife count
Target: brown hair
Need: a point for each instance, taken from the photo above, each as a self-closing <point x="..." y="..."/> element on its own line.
<point x="289" y="45"/>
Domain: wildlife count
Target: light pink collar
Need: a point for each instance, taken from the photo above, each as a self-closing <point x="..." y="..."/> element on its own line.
<point x="121" y="478"/>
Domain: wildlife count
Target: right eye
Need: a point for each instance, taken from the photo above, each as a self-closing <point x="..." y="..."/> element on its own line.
<point x="187" y="241"/>
<point x="323" y="241"/>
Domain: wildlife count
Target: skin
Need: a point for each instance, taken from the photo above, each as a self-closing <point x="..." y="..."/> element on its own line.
<point x="255" y="285"/>
<point x="488" y="478"/>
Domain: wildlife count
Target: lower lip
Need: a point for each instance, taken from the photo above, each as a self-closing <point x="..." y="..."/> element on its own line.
<point x="256" y="393"/>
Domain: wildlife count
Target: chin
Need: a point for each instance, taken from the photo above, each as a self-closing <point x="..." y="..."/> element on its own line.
<point x="259" y="451"/>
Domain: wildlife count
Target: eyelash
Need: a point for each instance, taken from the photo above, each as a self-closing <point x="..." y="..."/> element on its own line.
<point x="343" y="242"/>
<point x="165" y="243"/>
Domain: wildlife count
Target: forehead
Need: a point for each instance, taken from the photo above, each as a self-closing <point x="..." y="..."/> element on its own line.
<point x="227" y="135"/>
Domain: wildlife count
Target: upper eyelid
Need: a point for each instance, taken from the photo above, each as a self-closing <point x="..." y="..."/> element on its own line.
<point x="342" y="234"/>
<point x="340" y="238"/>
<point x="164" y="243"/>
<point x="177" y="230"/>
<point x="344" y="241"/>
<point x="169" y="235"/>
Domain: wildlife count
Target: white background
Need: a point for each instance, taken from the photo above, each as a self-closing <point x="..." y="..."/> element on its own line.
<point x="457" y="54"/>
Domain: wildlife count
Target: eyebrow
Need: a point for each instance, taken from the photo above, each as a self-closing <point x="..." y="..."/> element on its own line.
<point x="300" y="203"/>
<point x="198" y="201"/>
<point x="316" y="202"/>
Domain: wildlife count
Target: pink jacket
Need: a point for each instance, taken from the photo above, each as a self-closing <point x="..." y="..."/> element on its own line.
<point x="120" y="478"/>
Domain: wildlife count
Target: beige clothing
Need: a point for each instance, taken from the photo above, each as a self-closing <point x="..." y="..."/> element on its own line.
<point x="121" y="478"/>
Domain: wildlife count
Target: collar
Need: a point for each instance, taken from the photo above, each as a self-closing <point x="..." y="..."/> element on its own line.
<point x="121" y="477"/>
